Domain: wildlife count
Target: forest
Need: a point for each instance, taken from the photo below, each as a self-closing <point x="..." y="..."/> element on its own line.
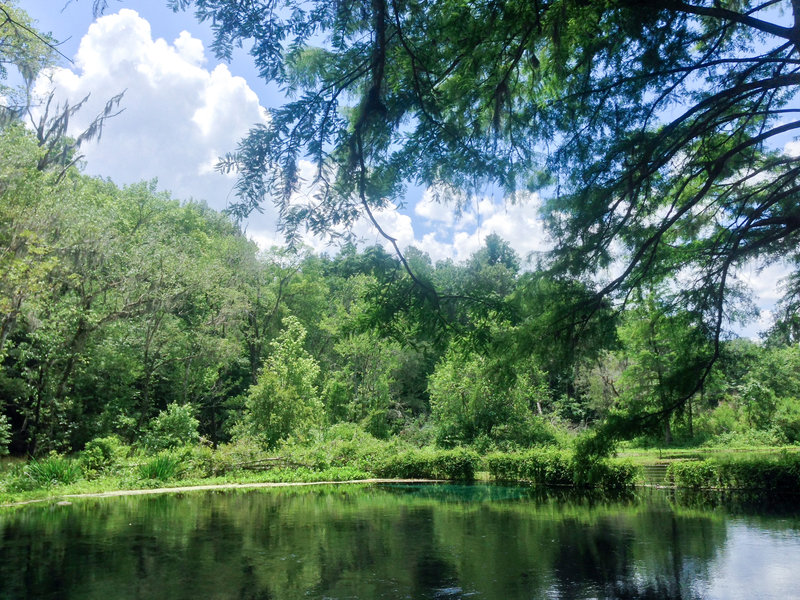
<point x="130" y="315"/>
<point x="124" y="309"/>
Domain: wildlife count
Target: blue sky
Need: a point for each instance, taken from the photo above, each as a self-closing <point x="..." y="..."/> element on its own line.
<point x="183" y="109"/>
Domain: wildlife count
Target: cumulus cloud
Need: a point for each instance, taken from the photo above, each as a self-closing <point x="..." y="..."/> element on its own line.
<point x="181" y="113"/>
<point x="179" y="116"/>
<point x="792" y="148"/>
<point x="458" y="236"/>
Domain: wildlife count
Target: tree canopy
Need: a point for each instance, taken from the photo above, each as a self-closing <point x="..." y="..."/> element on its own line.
<point x="653" y="130"/>
<point x="646" y="117"/>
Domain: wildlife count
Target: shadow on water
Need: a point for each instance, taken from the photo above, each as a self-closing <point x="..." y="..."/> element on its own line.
<point x="443" y="541"/>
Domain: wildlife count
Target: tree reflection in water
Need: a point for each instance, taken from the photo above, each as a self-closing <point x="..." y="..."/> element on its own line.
<point x="426" y="541"/>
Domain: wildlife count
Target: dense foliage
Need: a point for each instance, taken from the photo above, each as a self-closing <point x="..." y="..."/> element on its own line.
<point x="132" y="320"/>
<point x="653" y="129"/>
<point x="774" y="473"/>
<point x="132" y="314"/>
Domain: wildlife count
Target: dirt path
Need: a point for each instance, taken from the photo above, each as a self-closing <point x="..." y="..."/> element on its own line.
<point x="220" y="486"/>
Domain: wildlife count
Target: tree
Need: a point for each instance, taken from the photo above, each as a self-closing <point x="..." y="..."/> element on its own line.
<point x="483" y="399"/>
<point x="285" y="400"/>
<point x="174" y="426"/>
<point x="650" y="127"/>
<point x="27" y="51"/>
<point x="666" y="352"/>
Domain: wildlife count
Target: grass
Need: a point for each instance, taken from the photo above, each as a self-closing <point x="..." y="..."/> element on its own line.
<point x="646" y="456"/>
<point x="52" y="471"/>
<point x="114" y="483"/>
<point x="163" y="467"/>
<point x="343" y="455"/>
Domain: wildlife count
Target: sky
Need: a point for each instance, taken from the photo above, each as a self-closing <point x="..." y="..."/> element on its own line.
<point x="183" y="109"/>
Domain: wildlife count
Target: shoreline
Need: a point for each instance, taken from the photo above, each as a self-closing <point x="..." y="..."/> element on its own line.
<point x="210" y="487"/>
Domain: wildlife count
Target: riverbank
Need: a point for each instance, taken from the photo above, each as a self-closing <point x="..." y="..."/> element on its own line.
<point x="64" y="498"/>
<point x="95" y="472"/>
<point x="108" y="467"/>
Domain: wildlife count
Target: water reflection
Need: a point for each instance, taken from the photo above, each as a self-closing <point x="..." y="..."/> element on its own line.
<point x="448" y="542"/>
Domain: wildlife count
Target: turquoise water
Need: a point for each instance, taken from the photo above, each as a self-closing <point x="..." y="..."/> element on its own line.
<point x="402" y="541"/>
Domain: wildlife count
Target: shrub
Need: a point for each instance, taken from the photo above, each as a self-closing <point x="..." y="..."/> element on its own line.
<point x="607" y="475"/>
<point x="550" y="466"/>
<point x="418" y="432"/>
<point x="723" y="419"/>
<point x="103" y="453"/>
<point x="174" y="426"/>
<point x="303" y="474"/>
<point x="200" y="460"/>
<point x="343" y="445"/>
<point x="285" y="400"/>
<point x="457" y="464"/>
<point x="5" y="434"/>
<point x="692" y="474"/>
<point x="503" y="466"/>
<point x="781" y="473"/>
<point x="786" y="420"/>
<point x="541" y="466"/>
<point x="163" y="466"/>
<point x="745" y="439"/>
<point x="52" y="470"/>
<point x="377" y="423"/>
<point x="235" y="456"/>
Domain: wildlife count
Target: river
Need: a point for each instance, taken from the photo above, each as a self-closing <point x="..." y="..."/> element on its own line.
<point x="403" y="541"/>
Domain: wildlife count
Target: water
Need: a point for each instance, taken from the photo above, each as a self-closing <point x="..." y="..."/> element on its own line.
<point x="424" y="541"/>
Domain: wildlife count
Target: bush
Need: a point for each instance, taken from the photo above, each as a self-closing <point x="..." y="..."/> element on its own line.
<point x="233" y="457"/>
<point x="303" y="474"/>
<point x="200" y="460"/>
<point x="458" y="464"/>
<point x="102" y="454"/>
<point x="618" y="475"/>
<point x="5" y="434"/>
<point x="745" y="439"/>
<point x="786" y="420"/>
<point x="52" y="470"/>
<point x="343" y="445"/>
<point x="163" y="466"/>
<point x="779" y="473"/>
<point x="605" y="474"/>
<point x="418" y="432"/>
<point x="541" y="466"/>
<point x="551" y="466"/>
<point x="723" y="419"/>
<point x="174" y="426"/>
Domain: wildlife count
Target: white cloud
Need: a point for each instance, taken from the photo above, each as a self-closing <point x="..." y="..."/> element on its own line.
<point x="181" y="114"/>
<point x="190" y="49"/>
<point x="765" y="281"/>
<point x="518" y="223"/>
<point x="792" y="148"/>
<point x="178" y="118"/>
<point x="433" y="211"/>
